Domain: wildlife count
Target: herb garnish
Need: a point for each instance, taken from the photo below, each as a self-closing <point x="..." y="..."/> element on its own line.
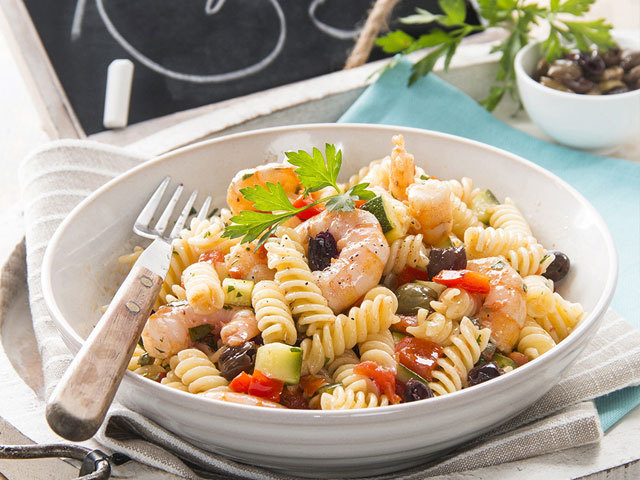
<point x="515" y="16"/>
<point x="316" y="172"/>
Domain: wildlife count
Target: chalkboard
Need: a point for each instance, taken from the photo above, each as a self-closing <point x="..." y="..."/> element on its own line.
<point x="189" y="53"/>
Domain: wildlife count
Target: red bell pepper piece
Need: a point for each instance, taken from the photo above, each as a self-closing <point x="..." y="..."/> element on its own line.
<point x="409" y="274"/>
<point x="301" y="201"/>
<point x="418" y="355"/>
<point x="241" y="383"/>
<point x="472" y="282"/>
<point x="311" y="383"/>
<point x="265" y="387"/>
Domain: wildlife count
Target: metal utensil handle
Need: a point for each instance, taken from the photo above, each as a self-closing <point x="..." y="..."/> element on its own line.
<point x="80" y="401"/>
<point x="95" y="464"/>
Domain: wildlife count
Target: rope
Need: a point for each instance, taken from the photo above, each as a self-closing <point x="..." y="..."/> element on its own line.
<point x="375" y="21"/>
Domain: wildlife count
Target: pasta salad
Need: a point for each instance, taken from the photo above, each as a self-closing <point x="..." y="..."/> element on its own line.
<point x="393" y="287"/>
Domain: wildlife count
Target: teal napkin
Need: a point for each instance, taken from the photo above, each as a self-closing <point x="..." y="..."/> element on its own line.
<point x="612" y="185"/>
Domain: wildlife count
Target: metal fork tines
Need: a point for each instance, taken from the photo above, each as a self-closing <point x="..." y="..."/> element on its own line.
<point x="141" y="226"/>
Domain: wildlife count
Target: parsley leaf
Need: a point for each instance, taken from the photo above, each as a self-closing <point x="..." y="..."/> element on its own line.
<point x="455" y="10"/>
<point x="316" y="174"/>
<point x="269" y="199"/>
<point x="346" y="201"/>
<point x="395" y="42"/>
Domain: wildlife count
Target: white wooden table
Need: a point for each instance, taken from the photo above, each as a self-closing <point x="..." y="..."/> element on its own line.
<point x="22" y="129"/>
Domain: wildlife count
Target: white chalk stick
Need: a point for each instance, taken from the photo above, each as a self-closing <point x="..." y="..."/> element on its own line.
<point x="118" y="93"/>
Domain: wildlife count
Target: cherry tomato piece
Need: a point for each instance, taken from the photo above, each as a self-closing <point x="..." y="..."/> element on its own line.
<point x="405" y="322"/>
<point x="519" y="358"/>
<point x="384" y="379"/>
<point x="418" y="355"/>
<point x="211" y="256"/>
<point x="311" y="383"/>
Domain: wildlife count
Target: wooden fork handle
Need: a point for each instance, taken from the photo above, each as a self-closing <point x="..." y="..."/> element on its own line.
<point x="80" y="401"/>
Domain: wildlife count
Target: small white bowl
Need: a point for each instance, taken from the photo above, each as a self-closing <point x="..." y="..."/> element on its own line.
<point x="586" y="122"/>
<point x="80" y="274"/>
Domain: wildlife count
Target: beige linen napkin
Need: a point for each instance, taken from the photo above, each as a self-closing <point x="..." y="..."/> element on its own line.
<point x="57" y="177"/>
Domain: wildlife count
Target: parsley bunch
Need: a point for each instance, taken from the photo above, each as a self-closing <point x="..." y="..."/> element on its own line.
<point x="517" y="17"/>
<point x="274" y="206"/>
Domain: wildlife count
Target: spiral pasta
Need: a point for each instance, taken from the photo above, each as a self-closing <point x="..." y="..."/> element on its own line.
<point x="375" y="314"/>
<point x="462" y="189"/>
<point x="135" y="358"/>
<point x="534" y="340"/>
<point x="490" y="242"/>
<point x="538" y="295"/>
<point x="301" y="292"/>
<point x="207" y="235"/>
<point x="407" y="252"/>
<point x="463" y="217"/>
<point x="272" y="313"/>
<point x="346" y="399"/>
<point x="434" y="327"/>
<point x="509" y="217"/>
<point x="196" y="371"/>
<point x="455" y="303"/>
<point x="458" y="358"/>
<point x="563" y="318"/>
<point x="203" y="289"/>
<point x="173" y="381"/>
<point x="379" y="348"/>
<point x="530" y="260"/>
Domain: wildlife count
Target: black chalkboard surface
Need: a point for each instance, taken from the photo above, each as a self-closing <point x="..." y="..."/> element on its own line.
<point x="189" y="53"/>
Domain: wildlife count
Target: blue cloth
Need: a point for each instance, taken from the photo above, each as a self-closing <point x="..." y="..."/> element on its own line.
<point x="612" y="185"/>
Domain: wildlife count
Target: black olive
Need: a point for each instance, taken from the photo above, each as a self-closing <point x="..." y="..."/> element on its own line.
<point x="237" y="359"/>
<point x="612" y="57"/>
<point x="452" y="258"/>
<point x="322" y="249"/>
<point x="592" y="65"/>
<point x="581" y="85"/>
<point x="559" y="268"/>
<point x="483" y="373"/>
<point x="415" y="390"/>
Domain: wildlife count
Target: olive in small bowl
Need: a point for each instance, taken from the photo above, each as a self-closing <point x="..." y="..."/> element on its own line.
<point x="587" y="122"/>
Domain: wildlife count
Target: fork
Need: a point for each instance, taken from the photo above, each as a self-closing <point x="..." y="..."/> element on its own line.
<point x="79" y="403"/>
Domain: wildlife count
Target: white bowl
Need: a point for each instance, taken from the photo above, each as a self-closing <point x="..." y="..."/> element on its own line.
<point x="80" y="274"/>
<point x="587" y="122"/>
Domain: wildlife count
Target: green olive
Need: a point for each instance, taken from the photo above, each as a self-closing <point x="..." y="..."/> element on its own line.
<point x="413" y="296"/>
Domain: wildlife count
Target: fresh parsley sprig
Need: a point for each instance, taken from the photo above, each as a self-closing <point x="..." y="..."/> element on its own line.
<point x="315" y="172"/>
<point x="515" y="16"/>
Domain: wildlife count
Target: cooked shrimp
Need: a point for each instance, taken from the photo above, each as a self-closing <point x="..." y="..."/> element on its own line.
<point x="167" y="331"/>
<point x="244" y="261"/>
<point x="430" y="203"/>
<point x="504" y="310"/>
<point x="242" y="398"/>
<point x="402" y="169"/>
<point x="242" y="327"/>
<point x="271" y="172"/>
<point x="363" y="253"/>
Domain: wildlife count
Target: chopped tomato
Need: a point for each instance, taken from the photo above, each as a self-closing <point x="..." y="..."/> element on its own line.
<point x="293" y="397"/>
<point x="418" y="355"/>
<point x="234" y="272"/>
<point x="384" y="379"/>
<point x="409" y="274"/>
<point x="265" y="387"/>
<point x="241" y="383"/>
<point x="472" y="282"/>
<point x="301" y="201"/>
<point x="359" y="203"/>
<point x="405" y="322"/>
<point x="519" y="358"/>
<point x="211" y="256"/>
<point x="311" y="383"/>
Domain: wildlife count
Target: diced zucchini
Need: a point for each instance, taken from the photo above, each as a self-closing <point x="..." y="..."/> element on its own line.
<point x="436" y="287"/>
<point x="237" y="292"/>
<point x="397" y="336"/>
<point x="482" y="204"/>
<point x="383" y="209"/>
<point x="450" y="241"/>
<point x="280" y="362"/>
<point x="404" y="374"/>
<point x="328" y="388"/>
<point x="503" y="361"/>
